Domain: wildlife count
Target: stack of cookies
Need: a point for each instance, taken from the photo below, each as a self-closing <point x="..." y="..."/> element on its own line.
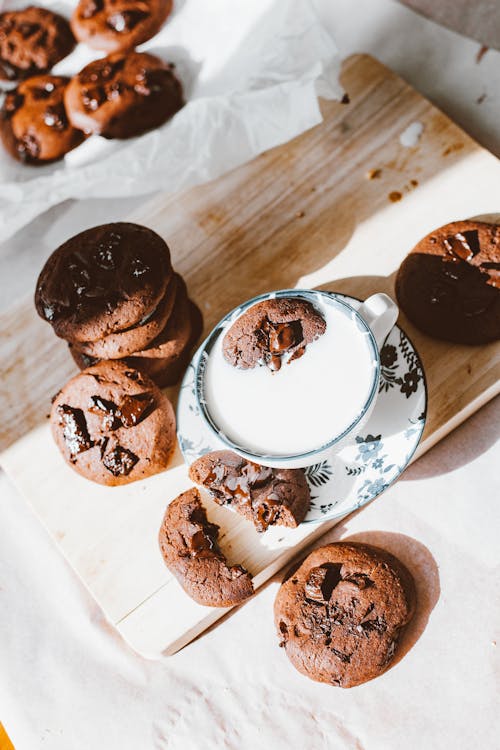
<point x="118" y="96"/>
<point x="112" y="294"/>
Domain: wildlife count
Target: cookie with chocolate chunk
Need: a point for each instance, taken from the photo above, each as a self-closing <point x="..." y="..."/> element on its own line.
<point x="339" y="616"/>
<point x="123" y="95"/>
<point x="449" y="285"/>
<point x="118" y="25"/>
<point x="113" y="425"/>
<point x="33" y="123"/>
<point x="260" y="494"/>
<point x="123" y="343"/>
<point x="103" y="280"/>
<point x="272" y="331"/>
<point x="189" y="545"/>
<point x="32" y="41"/>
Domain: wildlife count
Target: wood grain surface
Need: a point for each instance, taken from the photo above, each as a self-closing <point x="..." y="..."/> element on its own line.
<point x="337" y="208"/>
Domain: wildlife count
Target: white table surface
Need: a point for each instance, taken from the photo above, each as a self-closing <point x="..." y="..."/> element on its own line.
<point x="234" y="688"/>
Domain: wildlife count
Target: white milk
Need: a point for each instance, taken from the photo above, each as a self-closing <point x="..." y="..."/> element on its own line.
<point x="306" y="403"/>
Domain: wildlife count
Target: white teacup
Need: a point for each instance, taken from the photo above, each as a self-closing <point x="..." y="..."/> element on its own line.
<point x="359" y="335"/>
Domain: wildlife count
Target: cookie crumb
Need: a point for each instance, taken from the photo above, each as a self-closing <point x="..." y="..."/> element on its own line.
<point x="373" y="174"/>
<point x="395" y="196"/>
<point x="300" y="214"/>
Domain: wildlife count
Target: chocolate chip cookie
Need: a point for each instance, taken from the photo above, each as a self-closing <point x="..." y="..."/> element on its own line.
<point x="33" y="124"/>
<point x="262" y="495"/>
<point x="120" y="344"/>
<point x="449" y="285"/>
<point x="340" y="615"/>
<point x="103" y="280"/>
<point x="272" y="331"/>
<point x="118" y="25"/>
<point x="32" y="41"/>
<point x="113" y="425"/>
<point x="188" y="543"/>
<point x="123" y="95"/>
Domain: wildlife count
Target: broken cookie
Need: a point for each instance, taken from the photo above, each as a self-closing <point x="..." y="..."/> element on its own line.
<point x="271" y="332"/>
<point x="189" y="545"/>
<point x="260" y="494"/>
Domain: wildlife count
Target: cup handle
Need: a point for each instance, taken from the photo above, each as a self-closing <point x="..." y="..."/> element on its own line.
<point x="380" y="312"/>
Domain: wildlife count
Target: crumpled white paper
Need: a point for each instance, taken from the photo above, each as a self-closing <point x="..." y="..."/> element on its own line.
<point x="252" y="73"/>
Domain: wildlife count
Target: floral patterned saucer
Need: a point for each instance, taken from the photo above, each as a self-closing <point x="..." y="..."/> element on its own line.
<point x="359" y="472"/>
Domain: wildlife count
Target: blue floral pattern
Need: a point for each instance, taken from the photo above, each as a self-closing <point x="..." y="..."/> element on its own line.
<point x="376" y="458"/>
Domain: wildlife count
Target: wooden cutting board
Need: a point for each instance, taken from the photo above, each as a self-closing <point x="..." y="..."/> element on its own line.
<point x="338" y="207"/>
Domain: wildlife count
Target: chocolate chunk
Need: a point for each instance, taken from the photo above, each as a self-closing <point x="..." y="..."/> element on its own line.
<point x="120" y="461"/>
<point x="55" y="117"/>
<point x="108" y="410"/>
<point x="75" y="432"/>
<point x="135" y="408"/>
<point x="322" y="581"/>
<point x="125" y="20"/>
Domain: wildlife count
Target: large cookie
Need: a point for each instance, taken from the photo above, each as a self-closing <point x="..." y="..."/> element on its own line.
<point x="271" y="330"/>
<point x="121" y="344"/>
<point x="118" y="25"/>
<point x="188" y="543"/>
<point x="123" y="95"/>
<point x="33" y="124"/>
<point x="103" y="280"/>
<point x="32" y="41"/>
<point x="449" y="285"/>
<point x="262" y="495"/>
<point x="113" y="425"/>
<point x="340" y="615"/>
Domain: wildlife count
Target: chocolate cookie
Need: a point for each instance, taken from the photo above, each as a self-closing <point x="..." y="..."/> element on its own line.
<point x="262" y="495"/>
<point x="188" y="543"/>
<point x="340" y="615"/>
<point x="113" y="425"/>
<point x="103" y="280"/>
<point x="32" y="41"/>
<point x="118" y="25"/>
<point x="123" y="343"/>
<point x="449" y="285"/>
<point x="33" y="124"/>
<point x="123" y="95"/>
<point x="270" y="331"/>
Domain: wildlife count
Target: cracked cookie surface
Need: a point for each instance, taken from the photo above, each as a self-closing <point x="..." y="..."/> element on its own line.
<point x="190" y="549"/>
<point x="271" y="331"/>
<point x="113" y="425"/>
<point x="340" y="614"/>
<point x="260" y="494"/>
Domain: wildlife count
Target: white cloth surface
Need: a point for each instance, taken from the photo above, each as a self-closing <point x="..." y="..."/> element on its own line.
<point x="250" y="73"/>
<point x="67" y="680"/>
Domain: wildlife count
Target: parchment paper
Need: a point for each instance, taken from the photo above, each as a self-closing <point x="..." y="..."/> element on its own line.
<point x="252" y="72"/>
